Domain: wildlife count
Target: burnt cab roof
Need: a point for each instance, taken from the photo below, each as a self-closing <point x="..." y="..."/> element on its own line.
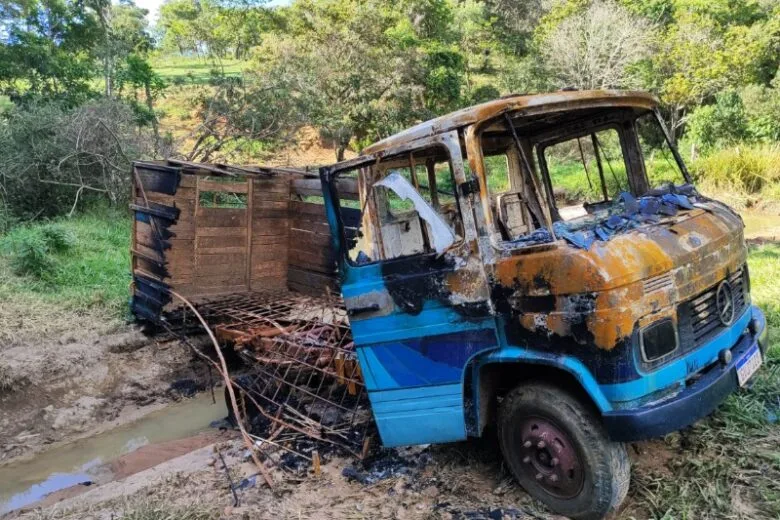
<point x="529" y="105"/>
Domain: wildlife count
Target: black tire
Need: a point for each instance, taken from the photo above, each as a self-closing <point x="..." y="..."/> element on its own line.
<point x="570" y="464"/>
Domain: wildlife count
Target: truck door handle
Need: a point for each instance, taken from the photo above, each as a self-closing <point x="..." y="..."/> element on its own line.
<point x="362" y="310"/>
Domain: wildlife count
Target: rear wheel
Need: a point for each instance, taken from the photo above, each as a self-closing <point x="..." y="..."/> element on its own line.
<point x="559" y="452"/>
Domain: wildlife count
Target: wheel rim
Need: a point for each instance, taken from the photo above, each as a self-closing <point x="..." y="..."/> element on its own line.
<point x="549" y="457"/>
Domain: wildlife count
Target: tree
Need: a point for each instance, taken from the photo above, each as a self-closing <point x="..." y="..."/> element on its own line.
<point x="239" y="113"/>
<point x="364" y="69"/>
<point x="597" y="47"/>
<point x="124" y="32"/>
<point x="47" y="50"/>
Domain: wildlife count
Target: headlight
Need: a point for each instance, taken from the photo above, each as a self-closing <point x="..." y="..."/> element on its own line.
<point x="658" y="340"/>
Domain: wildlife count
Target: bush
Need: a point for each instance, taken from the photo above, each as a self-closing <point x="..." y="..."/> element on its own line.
<point x="725" y="122"/>
<point x="31" y="256"/>
<point x="53" y="157"/>
<point x="32" y="249"/>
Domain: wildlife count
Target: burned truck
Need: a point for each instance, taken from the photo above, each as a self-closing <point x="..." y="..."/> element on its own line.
<point x="544" y="264"/>
<point x="537" y="268"/>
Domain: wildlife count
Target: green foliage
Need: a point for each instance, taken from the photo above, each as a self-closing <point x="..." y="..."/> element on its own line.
<point x="48" y="50"/>
<point x="31" y="255"/>
<point x="33" y="249"/>
<point x="721" y="123"/>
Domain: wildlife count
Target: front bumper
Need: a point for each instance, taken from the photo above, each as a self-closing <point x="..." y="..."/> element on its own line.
<point x="697" y="400"/>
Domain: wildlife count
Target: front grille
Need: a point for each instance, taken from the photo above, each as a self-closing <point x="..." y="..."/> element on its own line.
<point x="698" y="318"/>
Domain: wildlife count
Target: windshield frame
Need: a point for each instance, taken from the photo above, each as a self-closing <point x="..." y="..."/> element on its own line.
<point x="668" y="137"/>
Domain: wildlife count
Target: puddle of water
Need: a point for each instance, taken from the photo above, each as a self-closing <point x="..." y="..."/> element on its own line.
<point x="761" y="224"/>
<point x="26" y="482"/>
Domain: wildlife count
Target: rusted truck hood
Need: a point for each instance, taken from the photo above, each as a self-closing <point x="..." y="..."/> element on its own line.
<point x="616" y="282"/>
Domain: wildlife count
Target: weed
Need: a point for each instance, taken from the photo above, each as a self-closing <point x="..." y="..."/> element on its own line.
<point x="31" y="256"/>
<point x="161" y="511"/>
<point x="58" y="238"/>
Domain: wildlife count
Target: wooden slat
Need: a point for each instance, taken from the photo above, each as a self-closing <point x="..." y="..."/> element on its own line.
<point x="264" y="254"/>
<point x="221" y="269"/>
<point x="270" y="196"/>
<point x="310" y="225"/>
<point x="229" y="187"/>
<point x="220" y="241"/>
<point x="308" y="278"/>
<point x="278" y="185"/>
<point x="303" y="238"/>
<point x="221" y="231"/>
<point x="348" y="188"/>
<point x="220" y="259"/>
<point x="270" y="240"/>
<point x="267" y="283"/>
<point x="221" y="217"/>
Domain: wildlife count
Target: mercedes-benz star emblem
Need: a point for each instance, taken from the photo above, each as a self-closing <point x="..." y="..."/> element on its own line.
<point x="724" y="300"/>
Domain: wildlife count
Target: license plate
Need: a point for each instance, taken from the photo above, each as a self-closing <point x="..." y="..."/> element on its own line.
<point x="748" y="366"/>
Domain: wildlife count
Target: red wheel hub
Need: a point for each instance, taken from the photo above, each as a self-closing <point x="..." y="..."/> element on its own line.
<point x="550" y="458"/>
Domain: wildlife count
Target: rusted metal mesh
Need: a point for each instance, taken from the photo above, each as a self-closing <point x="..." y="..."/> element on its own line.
<point x="304" y="392"/>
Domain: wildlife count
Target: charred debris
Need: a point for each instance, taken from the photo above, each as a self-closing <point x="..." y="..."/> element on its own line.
<point x="242" y="254"/>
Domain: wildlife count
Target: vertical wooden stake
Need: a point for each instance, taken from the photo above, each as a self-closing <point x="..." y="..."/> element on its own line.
<point x="315" y="461"/>
<point x="366" y="446"/>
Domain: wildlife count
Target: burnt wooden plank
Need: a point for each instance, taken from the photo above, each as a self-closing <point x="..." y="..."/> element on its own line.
<point x="280" y="241"/>
<point x="347" y="188"/>
<point x="263" y="254"/>
<point x="221" y="217"/>
<point x="310" y="279"/>
<point x="220" y="241"/>
<point x="221" y="231"/>
<point x="278" y="185"/>
<point x="260" y="196"/>
<point x="221" y="269"/>
<point x="157" y="177"/>
<point x="229" y="187"/>
<point x="304" y="238"/>
<point x="268" y="283"/>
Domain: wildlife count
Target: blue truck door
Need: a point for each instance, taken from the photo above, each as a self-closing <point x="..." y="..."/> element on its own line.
<point x="417" y="320"/>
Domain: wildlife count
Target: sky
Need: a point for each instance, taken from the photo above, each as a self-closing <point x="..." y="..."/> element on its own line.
<point x="153" y="6"/>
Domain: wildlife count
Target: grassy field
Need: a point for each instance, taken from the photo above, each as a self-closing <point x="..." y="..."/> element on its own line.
<point x="194" y="70"/>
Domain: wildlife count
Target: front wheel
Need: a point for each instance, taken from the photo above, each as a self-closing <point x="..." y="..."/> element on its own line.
<point x="559" y="452"/>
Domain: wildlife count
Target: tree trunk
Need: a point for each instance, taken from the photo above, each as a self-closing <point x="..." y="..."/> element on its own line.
<point x="150" y="105"/>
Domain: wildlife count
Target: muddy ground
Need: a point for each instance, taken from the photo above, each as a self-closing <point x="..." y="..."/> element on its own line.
<point x="84" y="383"/>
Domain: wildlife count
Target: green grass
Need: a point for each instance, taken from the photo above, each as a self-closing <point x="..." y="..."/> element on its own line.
<point x="90" y="273"/>
<point x="194" y="70"/>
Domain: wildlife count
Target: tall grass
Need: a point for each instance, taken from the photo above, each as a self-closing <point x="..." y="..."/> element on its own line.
<point x="745" y="174"/>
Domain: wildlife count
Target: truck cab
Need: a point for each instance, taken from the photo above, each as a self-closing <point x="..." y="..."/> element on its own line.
<point x="544" y="264"/>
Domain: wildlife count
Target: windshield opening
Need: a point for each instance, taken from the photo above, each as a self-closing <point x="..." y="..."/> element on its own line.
<point x="584" y="173"/>
<point x="661" y="165"/>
